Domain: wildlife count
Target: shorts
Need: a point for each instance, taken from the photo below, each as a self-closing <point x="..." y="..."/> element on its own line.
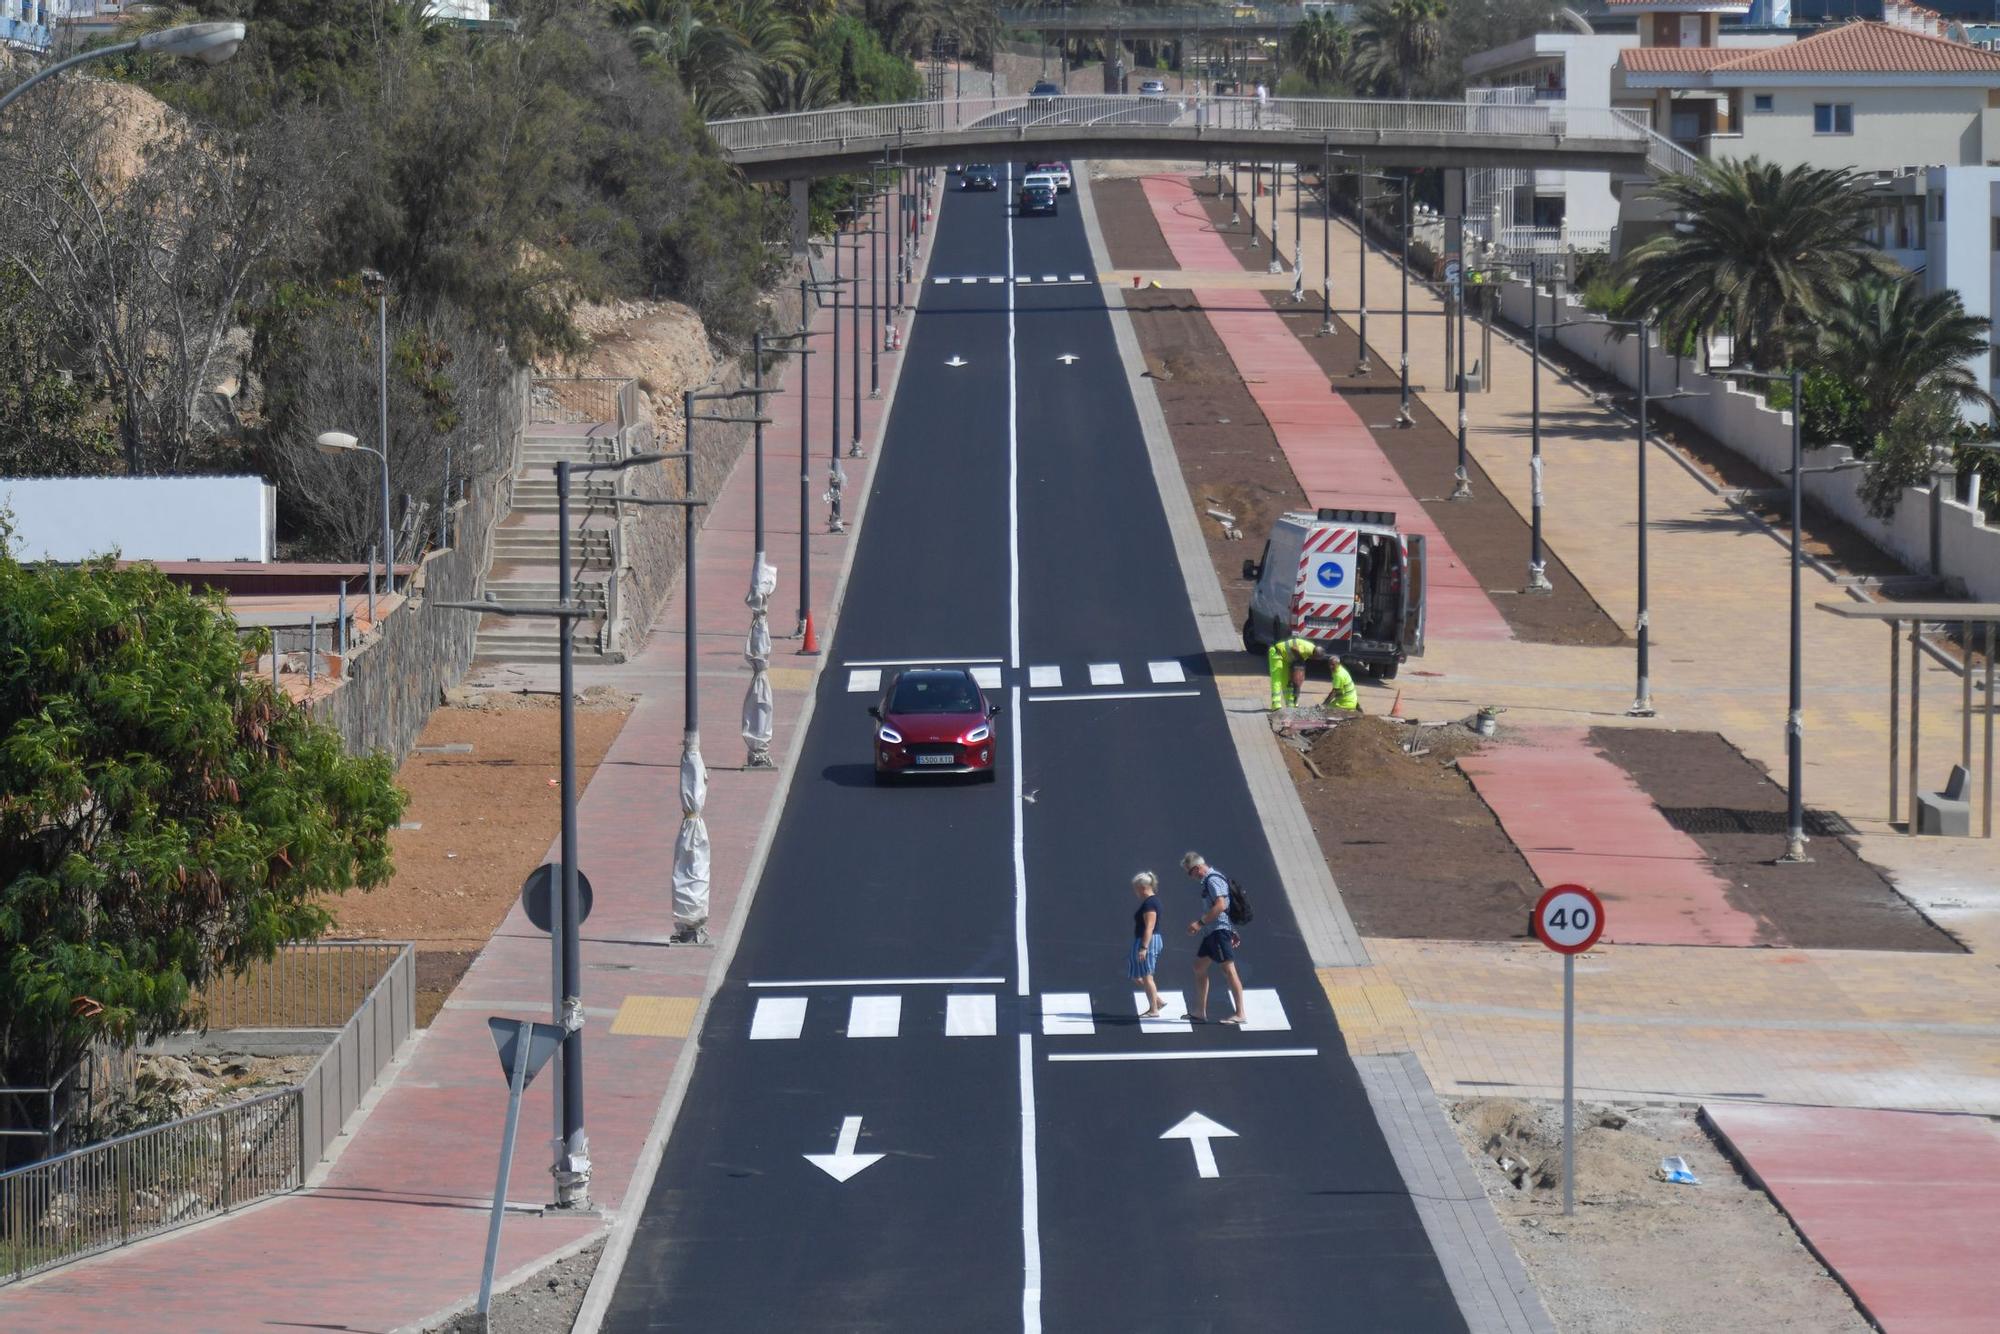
<point x="1137" y="964"/>
<point x="1219" y="945"/>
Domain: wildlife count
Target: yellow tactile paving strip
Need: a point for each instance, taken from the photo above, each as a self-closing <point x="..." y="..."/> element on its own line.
<point x="656" y="1016"/>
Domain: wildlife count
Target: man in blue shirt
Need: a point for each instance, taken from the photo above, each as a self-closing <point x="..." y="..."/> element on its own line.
<point x="1218" y="938"/>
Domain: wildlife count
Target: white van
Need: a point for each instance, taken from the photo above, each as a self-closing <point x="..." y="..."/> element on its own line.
<point x="1346" y="578"/>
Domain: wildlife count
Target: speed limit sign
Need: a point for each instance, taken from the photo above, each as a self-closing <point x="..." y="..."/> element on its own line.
<point x="1569" y="919"/>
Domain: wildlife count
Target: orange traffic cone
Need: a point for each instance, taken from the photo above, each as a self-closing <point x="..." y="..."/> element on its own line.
<point x="1396" y="709"/>
<point x="1138" y="281"/>
<point x="812" y="638"/>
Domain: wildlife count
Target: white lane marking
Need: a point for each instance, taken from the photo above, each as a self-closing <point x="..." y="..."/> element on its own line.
<point x="1040" y="678"/>
<point x="941" y="282"/>
<point x="1167" y="673"/>
<point x="996" y="280"/>
<point x="970" y="1017"/>
<point x="1121" y="694"/>
<point x="1106" y="674"/>
<point x="887" y="982"/>
<point x="1031" y="1203"/>
<point x="1022" y="278"/>
<point x="1067" y="1014"/>
<point x="1050" y="278"/>
<point x="1224" y="1055"/>
<point x="874" y="1016"/>
<point x="844" y="1162"/>
<point x="1172" y="1017"/>
<point x="1198" y="1130"/>
<point x="1076" y="277"/>
<point x="987" y="677"/>
<point x="920" y="662"/>
<point x="860" y="681"/>
<point x="1263" y="1012"/>
<point x="778" y="1018"/>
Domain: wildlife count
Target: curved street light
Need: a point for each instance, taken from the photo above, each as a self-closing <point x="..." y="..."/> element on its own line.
<point x="339" y="442"/>
<point x="209" y="43"/>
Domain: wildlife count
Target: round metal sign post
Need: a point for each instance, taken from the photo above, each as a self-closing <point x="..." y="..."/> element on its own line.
<point x="1569" y="919"/>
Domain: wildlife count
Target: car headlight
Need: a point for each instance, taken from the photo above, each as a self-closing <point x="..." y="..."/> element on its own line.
<point x="978" y="734"/>
<point x="890" y="735"/>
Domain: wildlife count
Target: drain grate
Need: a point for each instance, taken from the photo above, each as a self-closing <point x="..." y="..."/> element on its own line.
<point x="1729" y="820"/>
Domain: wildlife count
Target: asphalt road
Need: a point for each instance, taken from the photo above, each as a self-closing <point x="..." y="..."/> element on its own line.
<point x="979" y="931"/>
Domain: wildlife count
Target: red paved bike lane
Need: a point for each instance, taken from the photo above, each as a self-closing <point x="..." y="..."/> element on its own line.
<point x="395" y="1232"/>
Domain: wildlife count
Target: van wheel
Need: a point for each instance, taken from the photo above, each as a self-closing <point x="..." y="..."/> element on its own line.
<point x="1387" y="671"/>
<point x="1250" y="644"/>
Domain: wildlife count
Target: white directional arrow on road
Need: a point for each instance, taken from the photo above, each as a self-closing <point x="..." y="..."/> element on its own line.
<point x="1198" y="1130"/>
<point x="1069" y="358"/>
<point x="844" y="1162"/>
<point x="957" y="360"/>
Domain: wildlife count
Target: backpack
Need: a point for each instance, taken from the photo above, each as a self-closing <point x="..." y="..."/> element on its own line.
<point x="1239" y="904"/>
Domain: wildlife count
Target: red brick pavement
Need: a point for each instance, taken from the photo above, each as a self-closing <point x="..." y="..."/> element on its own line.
<point x="395" y="1231"/>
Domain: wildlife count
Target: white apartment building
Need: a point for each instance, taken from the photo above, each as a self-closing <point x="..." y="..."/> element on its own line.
<point x="24" y="24"/>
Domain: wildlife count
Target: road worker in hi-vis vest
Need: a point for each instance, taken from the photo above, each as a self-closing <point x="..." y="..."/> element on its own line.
<point x="1343" y="695"/>
<point x="1288" y="658"/>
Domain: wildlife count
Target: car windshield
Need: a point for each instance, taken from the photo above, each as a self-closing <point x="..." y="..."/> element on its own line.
<point x="934" y="692"/>
<point x="980" y="169"/>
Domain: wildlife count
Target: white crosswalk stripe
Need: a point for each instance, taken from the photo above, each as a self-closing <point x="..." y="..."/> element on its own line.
<point x="996" y="280"/>
<point x="864" y="679"/>
<point x="874" y="1016"/>
<point x="778" y="1018"/>
<point x="987" y="677"/>
<point x="1263" y="1012"/>
<point x="1042" y="678"/>
<point x="1166" y="673"/>
<point x="1172" y="1017"/>
<point x="1077" y="278"/>
<point x="1106" y="674"/>
<point x="1067" y="1014"/>
<point x="1050" y="278"/>
<point x="969" y="1017"/>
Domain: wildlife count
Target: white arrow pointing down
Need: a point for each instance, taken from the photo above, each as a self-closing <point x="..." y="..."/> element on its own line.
<point x="1198" y="1130"/>
<point x="844" y="1162"/>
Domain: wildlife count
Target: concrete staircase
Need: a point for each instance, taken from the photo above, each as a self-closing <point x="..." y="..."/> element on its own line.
<point x="525" y="570"/>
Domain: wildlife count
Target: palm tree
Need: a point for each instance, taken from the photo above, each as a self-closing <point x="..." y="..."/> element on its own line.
<point x="1761" y="252"/>
<point x="1318" y="49"/>
<point x="1894" y="342"/>
<point x="1395" y="42"/>
<point x="730" y="54"/>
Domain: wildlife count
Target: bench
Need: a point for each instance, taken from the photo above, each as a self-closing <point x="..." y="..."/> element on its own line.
<point x="1949" y="812"/>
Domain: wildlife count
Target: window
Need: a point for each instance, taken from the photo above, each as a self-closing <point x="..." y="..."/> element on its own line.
<point x="1761" y="102"/>
<point x="1833" y="118"/>
<point x="1996" y="233"/>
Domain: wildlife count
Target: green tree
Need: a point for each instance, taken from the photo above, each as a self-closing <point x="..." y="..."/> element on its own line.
<point x="1762" y="253"/>
<point x="1396" y="44"/>
<point x="163" y="817"/>
<point x="1318" y="50"/>
<point x="1904" y="450"/>
<point x="51" y="423"/>
<point x="1892" y="341"/>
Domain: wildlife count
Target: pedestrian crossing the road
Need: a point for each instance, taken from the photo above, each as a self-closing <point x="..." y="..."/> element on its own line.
<point x="869" y="678"/>
<point x="1058" y="1014"/>
<point x="998" y="280"/>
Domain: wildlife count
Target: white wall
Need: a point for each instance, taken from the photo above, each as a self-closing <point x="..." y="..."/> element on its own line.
<point x="141" y="518"/>
<point x="1742" y="423"/>
<point x="1892" y="127"/>
<point x="1960" y="255"/>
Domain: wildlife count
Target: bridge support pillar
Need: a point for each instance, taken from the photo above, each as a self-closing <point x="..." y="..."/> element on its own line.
<point x="801" y="195"/>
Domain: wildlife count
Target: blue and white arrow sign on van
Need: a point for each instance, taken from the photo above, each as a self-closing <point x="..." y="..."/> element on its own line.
<point x="1330" y="575"/>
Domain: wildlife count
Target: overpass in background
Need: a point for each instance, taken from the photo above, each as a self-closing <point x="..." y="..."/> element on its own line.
<point x="1550" y="136"/>
<point x="1163" y="21"/>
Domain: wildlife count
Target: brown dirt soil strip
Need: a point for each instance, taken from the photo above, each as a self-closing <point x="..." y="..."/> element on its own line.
<point x="1131" y="233"/>
<point x="1416" y="852"/>
<point x="488" y="818"/>
<point x="1736" y="814"/>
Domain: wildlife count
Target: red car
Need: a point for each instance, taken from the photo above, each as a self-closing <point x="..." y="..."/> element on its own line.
<point x="934" y="720"/>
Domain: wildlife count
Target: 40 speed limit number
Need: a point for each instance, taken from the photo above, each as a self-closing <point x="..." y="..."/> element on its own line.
<point x="1569" y="919"/>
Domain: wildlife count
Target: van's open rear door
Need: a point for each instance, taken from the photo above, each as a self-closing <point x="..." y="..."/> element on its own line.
<point x="1415" y="569"/>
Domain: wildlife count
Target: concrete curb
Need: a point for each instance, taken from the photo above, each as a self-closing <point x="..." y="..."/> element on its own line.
<point x="618" y="1244"/>
<point x="1324" y="923"/>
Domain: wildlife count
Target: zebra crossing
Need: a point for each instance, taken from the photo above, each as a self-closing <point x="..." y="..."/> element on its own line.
<point x="977" y="1014"/>
<point x="1020" y="279"/>
<point x="868" y="678"/>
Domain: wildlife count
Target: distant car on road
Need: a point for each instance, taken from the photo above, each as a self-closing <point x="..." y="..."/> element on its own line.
<point x="1038" y="196"/>
<point x="1153" y="88"/>
<point x="1058" y="170"/>
<point x="934" y="720"/>
<point x="1045" y="89"/>
<point x="978" y="176"/>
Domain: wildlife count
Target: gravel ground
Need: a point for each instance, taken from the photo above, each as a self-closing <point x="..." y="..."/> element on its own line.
<point x="544" y="1304"/>
<point x="1640" y="1254"/>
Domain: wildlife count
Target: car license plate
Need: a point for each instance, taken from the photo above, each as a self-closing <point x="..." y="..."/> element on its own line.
<point x="936" y="759"/>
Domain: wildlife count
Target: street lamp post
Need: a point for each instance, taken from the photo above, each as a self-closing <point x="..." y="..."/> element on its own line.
<point x="339" y="442"/>
<point x="209" y="43"/>
<point x="1538" y="578"/>
<point x="377" y="286"/>
<point x="1362" y="176"/>
<point x="1461" y="484"/>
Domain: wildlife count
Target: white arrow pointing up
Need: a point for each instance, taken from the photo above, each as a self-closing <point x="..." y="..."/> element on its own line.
<point x="844" y="1162"/>
<point x="956" y="360"/>
<point x="1198" y="1130"/>
<point x="1068" y="358"/>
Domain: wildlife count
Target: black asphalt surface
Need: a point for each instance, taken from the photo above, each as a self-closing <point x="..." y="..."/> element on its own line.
<point x="1306" y="1224"/>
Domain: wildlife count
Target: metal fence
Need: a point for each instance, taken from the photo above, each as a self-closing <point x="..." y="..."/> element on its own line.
<point x="105" y="1195"/>
<point x="576" y="400"/>
<point x="317" y="985"/>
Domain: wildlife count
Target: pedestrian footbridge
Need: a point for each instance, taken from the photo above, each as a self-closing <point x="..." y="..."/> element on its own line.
<point x="1550" y="136"/>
